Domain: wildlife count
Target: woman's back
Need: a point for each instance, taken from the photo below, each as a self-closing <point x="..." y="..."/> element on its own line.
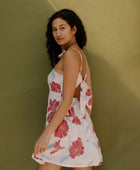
<point x="84" y="72"/>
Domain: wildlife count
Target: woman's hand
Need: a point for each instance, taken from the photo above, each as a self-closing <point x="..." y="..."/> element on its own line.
<point x="42" y="143"/>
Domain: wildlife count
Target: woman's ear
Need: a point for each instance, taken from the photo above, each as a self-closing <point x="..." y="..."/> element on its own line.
<point x="74" y="30"/>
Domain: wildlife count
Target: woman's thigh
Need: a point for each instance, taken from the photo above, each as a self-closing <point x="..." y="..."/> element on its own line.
<point x="48" y="166"/>
<point x="84" y="168"/>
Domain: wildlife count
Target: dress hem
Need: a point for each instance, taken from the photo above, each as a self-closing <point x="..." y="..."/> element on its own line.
<point x="63" y="165"/>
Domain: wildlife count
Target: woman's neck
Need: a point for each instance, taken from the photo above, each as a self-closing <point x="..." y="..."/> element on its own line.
<point x="64" y="49"/>
<point x="68" y="45"/>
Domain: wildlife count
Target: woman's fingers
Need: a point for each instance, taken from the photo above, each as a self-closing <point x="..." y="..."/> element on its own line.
<point x="41" y="144"/>
<point x="35" y="149"/>
<point x="44" y="148"/>
<point x="39" y="148"/>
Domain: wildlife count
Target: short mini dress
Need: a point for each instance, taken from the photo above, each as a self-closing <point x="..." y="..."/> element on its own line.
<point x="74" y="143"/>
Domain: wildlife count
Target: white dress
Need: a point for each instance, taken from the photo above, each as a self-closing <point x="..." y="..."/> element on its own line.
<point x="74" y="143"/>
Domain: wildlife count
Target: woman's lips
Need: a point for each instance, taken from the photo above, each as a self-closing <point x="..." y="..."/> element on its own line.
<point x="59" y="39"/>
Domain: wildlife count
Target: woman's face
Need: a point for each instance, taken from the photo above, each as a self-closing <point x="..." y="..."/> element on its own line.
<point x="62" y="32"/>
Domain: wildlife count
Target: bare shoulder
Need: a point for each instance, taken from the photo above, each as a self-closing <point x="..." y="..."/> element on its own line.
<point x="71" y="57"/>
<point x="70" y="53"/>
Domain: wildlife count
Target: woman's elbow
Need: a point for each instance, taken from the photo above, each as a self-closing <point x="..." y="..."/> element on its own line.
<point x="67" y="101"/>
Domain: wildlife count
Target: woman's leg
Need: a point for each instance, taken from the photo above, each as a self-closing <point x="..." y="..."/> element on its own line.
<point x="48" y="166"/>
<point x="84" y="168"/>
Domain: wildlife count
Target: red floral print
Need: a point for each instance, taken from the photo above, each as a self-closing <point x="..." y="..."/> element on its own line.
<point x="57" y="147"/>
<point x="100" y="163"/>
<point x="98" y="144"/>
<point x="75" y="118"/>
<point x="88" y="93"/>
<point x="62" y="129"/>
<point x="55" y="87"/>
<point x="76" y="149"/>
<point x="90" y="101"/>
<point x="53" y="106"/>
<point x="37" y="157"/>
<point x="50" y="116"/>
<point x="84" y="117"/>
<point x="71" y="112"/>
<point x="93" y="129"/>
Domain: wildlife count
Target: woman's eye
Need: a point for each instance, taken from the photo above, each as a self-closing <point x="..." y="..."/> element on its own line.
<point x="62" y="28"/>
<point x="53" y="29"/>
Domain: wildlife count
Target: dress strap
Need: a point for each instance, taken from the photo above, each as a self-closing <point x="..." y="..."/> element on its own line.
<point x="82" y="63"/>
<point x="86" y="70"/>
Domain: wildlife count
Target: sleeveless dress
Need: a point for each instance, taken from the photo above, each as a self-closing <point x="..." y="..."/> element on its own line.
<point x="74" y="143"/>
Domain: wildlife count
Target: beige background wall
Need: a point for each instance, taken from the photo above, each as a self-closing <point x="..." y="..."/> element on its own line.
<point x="114" y="57"/>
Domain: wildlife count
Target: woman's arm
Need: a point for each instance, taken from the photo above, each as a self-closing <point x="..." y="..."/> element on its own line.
<point x="71" y="65"/>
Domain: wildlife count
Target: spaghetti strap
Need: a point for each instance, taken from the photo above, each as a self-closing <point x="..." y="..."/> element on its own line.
<point x="86" y="70"/>
<point x="82" y="63"/>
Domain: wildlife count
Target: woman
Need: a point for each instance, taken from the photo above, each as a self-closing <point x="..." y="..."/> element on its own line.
<point x="69" y="137"/>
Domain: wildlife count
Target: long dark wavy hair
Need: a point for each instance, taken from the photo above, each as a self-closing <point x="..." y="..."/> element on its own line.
<point x="53" y="49"/>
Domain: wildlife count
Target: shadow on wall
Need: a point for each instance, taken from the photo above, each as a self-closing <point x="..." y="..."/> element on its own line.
<point x="115" y="116"/>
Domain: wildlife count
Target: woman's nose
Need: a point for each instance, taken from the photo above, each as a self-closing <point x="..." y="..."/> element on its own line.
<point x="58" y="32"/>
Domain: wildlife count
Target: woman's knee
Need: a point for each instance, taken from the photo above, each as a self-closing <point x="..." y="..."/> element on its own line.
<point x="82" y="168"/>
<point x="48" y="166"/>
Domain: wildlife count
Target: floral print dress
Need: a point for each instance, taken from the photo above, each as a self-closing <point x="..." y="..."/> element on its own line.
<point x="74" y="143"/>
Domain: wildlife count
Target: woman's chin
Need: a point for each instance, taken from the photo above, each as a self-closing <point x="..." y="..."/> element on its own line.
<point x="61" y="43"/>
